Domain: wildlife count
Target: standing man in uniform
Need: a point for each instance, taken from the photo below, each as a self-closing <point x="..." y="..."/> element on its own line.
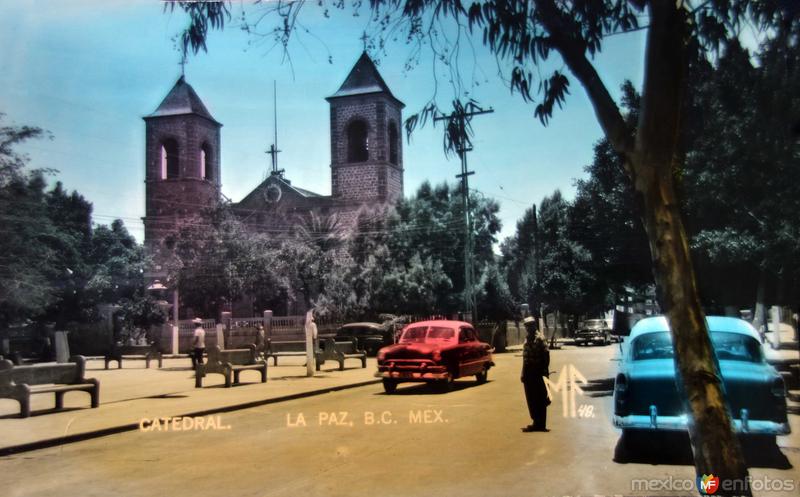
<point x="535" y="367"/>
<point x="198" y="342"/>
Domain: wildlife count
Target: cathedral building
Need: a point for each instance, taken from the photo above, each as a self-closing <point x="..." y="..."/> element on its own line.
<point x="183" y="164"/>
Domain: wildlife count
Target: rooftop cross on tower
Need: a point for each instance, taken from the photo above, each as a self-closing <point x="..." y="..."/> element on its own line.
<point x="273" y="149"/>
<point x="364" y="39"/>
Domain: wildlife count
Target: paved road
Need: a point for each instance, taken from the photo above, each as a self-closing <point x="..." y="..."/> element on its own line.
<point x="466" y="442"/>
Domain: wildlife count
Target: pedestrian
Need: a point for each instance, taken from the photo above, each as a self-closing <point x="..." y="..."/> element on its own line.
<point x="198" y="343"/>
<point x="312" y="324"/>
<point x="535" y="368"/>
<point x="261" y="341"/>
<point x="313" y="346"/>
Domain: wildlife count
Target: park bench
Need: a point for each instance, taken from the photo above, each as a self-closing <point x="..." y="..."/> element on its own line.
<point x="129" y="352"/>
<point x="339" y="351"/>
<point x="230" y="363"/>
<point x="15" y="357"/>
<point x="285" y="348"/>
<point x="20" y="382"/>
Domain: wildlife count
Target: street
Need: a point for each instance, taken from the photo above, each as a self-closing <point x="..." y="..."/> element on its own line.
<point x="417" y="442"/>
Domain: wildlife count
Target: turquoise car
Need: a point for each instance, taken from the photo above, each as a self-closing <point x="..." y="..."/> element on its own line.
<point x="646" y="398"/>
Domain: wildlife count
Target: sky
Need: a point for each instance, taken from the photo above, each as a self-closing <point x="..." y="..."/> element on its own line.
<point x="89" y="70"/>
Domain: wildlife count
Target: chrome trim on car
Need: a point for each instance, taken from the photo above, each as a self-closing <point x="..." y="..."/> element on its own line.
<point x="680" y="423"/>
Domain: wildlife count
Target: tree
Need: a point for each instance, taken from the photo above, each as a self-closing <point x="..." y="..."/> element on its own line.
<point x="740" y="152"/>
<point x="214" y="263"/>
<point x="519" y="260"/>
<point x="523" y="34"/>
<point x="424" y="234"/>
<point x="603" y="218"/>
<point x="54" y="267"/>
<point x="564" y="277"/>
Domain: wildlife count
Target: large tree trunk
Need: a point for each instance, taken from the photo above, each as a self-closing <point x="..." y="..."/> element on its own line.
<point x="652" y="165"/>
<point x="651" y="158"/>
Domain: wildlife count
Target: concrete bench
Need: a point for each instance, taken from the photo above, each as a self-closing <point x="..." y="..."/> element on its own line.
<point x="14" y="357"/>
<point x="230" y="363"/>
<point x="339" y="351"/>
<point x="129" y="352"/>
<point x="20" y="382"/>
<point x="285" y="348"/>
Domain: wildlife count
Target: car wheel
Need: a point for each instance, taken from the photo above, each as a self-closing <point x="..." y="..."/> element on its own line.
<point x="482" y="376"/>
<point x="444" y="385"/>
<point x="389" y="386"/>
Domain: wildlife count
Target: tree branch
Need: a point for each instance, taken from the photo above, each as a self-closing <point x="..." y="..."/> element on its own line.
<point x="574" y="54"/>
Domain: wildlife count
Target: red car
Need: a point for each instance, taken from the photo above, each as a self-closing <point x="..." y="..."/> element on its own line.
<point x="434" y="352"/>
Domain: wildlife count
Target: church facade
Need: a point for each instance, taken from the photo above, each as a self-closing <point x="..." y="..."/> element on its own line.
<point x="183" y="163"/>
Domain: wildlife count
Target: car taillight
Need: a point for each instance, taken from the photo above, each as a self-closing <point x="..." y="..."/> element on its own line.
<point x="621" y="384"/>
<point x="778" y="387"/>
<point x="437" y="356"/>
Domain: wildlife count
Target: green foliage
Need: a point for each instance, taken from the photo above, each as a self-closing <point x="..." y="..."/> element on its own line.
<point x="742" y="156"/>
<point x="565" y="280"/>
<point x="411" y="261"/>
<point x="53" y="266"/>
<point x="518" y="260"/>
<point x="605" y="219"/>
<point x="215" y="262"/>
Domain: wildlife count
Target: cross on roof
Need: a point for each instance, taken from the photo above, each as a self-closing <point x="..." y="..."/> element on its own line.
<point x="364" y="39"/>
<point x="273" y="153"/>
<point x="182" y="63"/>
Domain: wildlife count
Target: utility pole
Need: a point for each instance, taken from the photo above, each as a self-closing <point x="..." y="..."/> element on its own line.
<point x="460" y="119"/>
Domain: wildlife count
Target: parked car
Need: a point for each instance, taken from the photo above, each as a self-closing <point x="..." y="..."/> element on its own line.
<point x="434" y="352"/>
<point x="594" y="331"/>
<point x="369" y="336"/>
<point x="646" y="399"/>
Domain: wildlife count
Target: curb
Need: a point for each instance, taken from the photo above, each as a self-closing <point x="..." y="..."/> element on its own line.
<point x="89" y="435"/>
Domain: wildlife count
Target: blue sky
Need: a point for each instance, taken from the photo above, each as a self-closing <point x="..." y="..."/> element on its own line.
<point x="88" y="70"/>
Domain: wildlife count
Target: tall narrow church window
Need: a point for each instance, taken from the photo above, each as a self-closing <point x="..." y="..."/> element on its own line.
<point x="206" y="169"/>
<point x="393" y="144"/>
<point x="357" y="142"/>
<point x="169" y="159"/>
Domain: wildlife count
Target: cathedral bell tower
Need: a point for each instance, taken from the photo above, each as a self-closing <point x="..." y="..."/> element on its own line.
<point x="182" y="163"/>
<point x="366" y="144"/>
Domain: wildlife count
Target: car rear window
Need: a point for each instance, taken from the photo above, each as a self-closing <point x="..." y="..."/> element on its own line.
<point x="729" y="347"/>
<point x="427" y="334"/>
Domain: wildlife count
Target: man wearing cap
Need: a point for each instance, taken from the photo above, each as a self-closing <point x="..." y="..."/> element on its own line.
<point x="535" y="367"/>
<point x="198" y="342"/>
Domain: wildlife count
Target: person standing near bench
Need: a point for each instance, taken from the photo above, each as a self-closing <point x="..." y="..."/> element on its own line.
<point x="198" y="343"/>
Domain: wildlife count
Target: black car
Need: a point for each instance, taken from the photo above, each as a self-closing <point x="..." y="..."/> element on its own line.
<point x="369" y="336"/>
<point x="594" y="331"/>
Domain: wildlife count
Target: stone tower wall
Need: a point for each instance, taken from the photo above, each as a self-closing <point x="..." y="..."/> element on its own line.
<point x="171" y="202"/>
<point x="376" y="179"/>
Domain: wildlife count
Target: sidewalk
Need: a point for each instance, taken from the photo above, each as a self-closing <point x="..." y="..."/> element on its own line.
<point x="129" y="395"/>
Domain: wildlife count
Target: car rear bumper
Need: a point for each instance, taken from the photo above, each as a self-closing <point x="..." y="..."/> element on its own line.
<point x="680" y="423"/>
